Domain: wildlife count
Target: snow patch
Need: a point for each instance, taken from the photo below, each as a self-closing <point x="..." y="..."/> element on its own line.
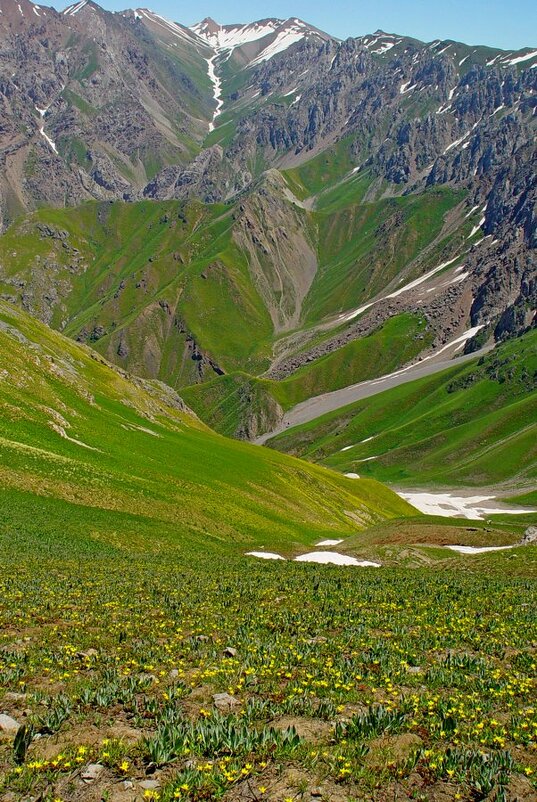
<point x="329" y="543"/>
<point x="459" y="141"/>
<point x="265" y="555"/>
<point x="421" y="279"/>
<point x="282" y="41"/>
<point x="520" y="59"/>
<point x="384" y="48"/>
<point x="334" y="558"/>
<point x="217" y="89"/>
<point x="230" y="36"/>
<point x="476" y="228"/>
<point x="74" y="9"/>
<point x="351" y="315"/>
<point x="404" y="88"/>
<point x="448" y="505"/>
<point x="472" y="210"/>
<point x="458" y="342"/>
<point x="457" y="279"/>
<point x="227" y="37"/>
<point x="45" y="136"/>
<point x="477" y="549"/>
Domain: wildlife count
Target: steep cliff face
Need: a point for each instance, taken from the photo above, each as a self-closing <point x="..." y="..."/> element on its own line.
<point x="402" y="117"/>
<point x="279" y="240"/>
<point x="406" y="108"/>
<point x="507" y="293"/>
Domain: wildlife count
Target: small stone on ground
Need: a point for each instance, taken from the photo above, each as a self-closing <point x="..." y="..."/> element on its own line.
<point x="8" y="725"/>
<point x="224" y="701"/>
<point x="92" y="772"/>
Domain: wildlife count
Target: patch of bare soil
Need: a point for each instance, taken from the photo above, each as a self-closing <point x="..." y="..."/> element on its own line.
<point x="406" y="533"/>
<point x="392" y="750"/>
<point x="313" y="730"/>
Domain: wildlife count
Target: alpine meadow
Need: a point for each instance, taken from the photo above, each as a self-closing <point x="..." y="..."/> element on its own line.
<point x="268" y="407"/>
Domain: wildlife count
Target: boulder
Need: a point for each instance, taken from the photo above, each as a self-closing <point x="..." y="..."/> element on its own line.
<point x="530" y="536"/>
<point x="8" y="725"/>
<point x="224" y="701"/>
<point x="150" y="785"/>
<point x="91" y="772"/>
<point x="87" y="655"/>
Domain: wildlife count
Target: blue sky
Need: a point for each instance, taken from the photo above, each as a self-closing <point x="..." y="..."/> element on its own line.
<point x="499" y="23"/>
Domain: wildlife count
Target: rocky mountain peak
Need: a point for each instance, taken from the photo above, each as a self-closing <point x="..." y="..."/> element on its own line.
<point x="207" y="26"/>
<point x="227" y="37"/>
<point x="271" y="35"/>
<point x="86" y="12"/>
<point x="75" y="8"/>
<point x="15" y="14"/>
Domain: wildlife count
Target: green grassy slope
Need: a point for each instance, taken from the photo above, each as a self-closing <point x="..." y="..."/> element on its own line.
<point x="394" y="343"/>
<point x="365" y="239"/>
<point x="226" y="402"/>
<point x="236" y="404"/>
<point x="142" y="275"/>
<point x="138" y="280"/>
<point x="472" y="424"/>
<point x="319" y="174"/>
<point x="364" y="246"/>
<point x="80" y="442"/>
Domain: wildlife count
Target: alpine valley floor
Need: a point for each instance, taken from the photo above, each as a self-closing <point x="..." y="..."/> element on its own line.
<point x="144" y="656"/>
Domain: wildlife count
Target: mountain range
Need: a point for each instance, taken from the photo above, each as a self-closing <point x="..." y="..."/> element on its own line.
<point x="259" y="213"/>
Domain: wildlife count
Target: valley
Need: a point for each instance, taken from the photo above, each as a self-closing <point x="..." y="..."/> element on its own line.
<point x="268" y="412"/>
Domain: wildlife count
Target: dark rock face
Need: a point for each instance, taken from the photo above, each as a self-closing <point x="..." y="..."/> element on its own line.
<point x="199" y="179"/>
<point x="507" y="290"/>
